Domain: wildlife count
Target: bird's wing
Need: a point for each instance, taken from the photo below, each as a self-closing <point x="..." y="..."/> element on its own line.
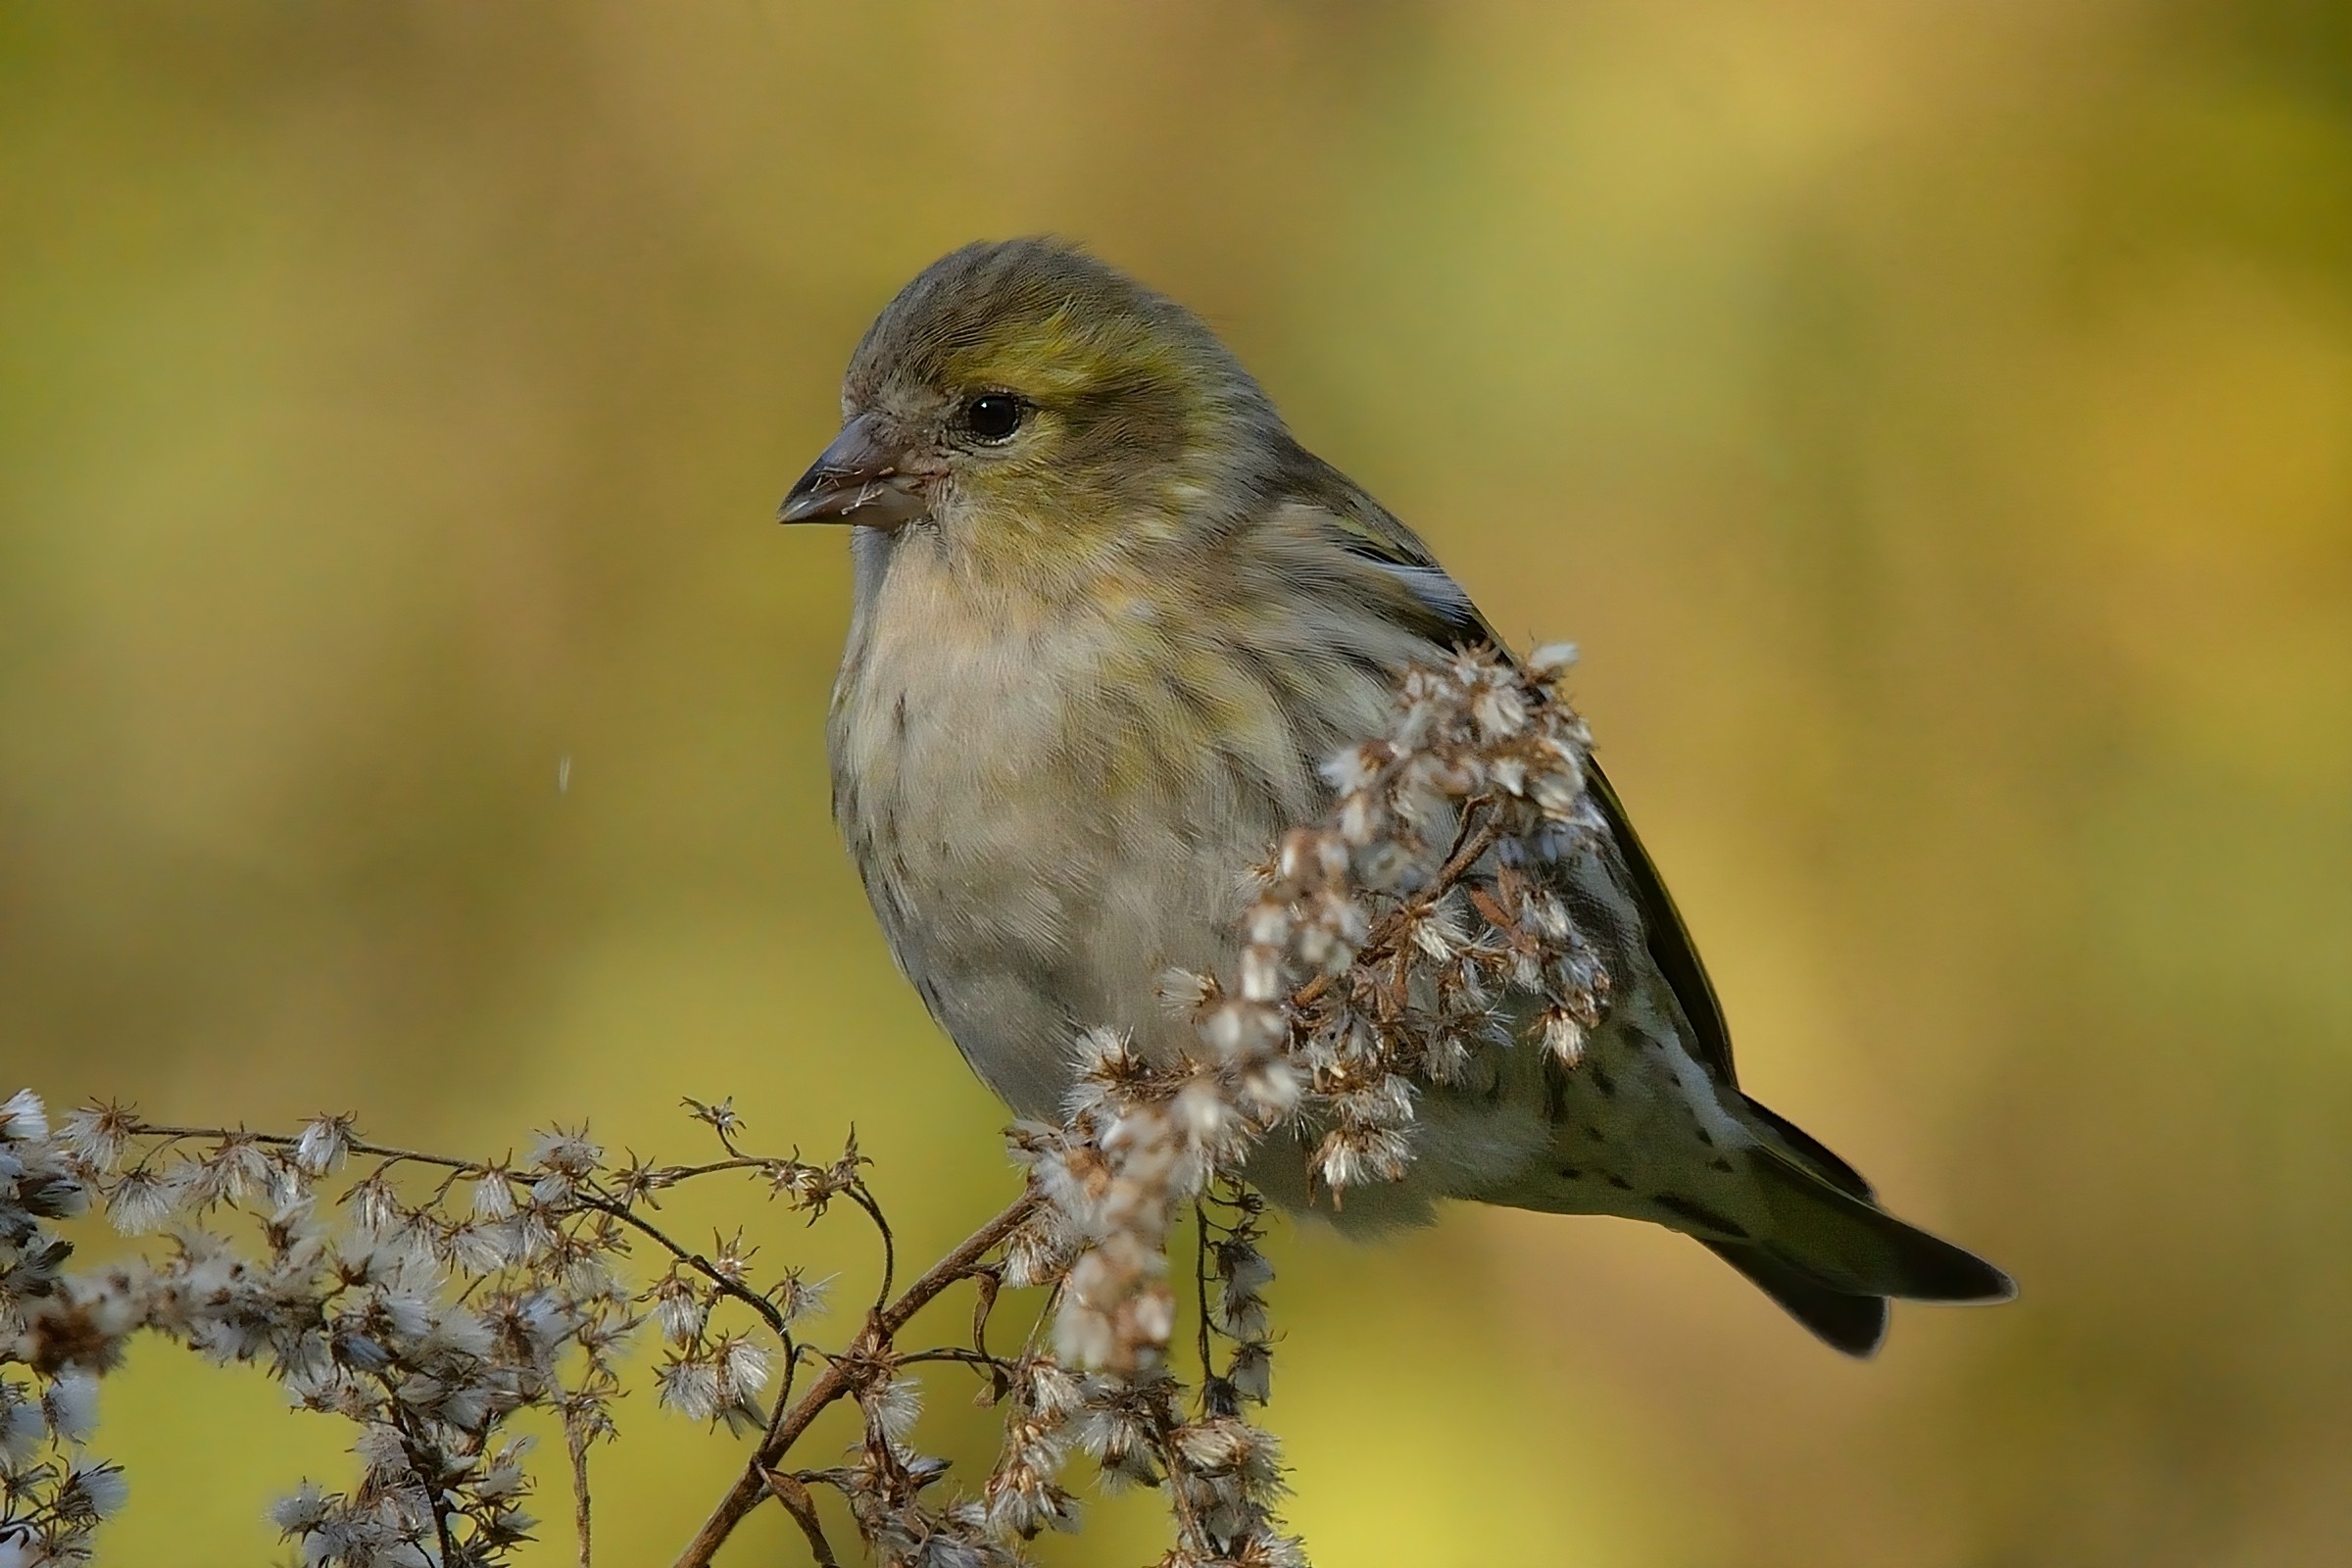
<point x="1666" y="937"/>
<point x="1436" y="604"/>
<point x="1366" y="529"/>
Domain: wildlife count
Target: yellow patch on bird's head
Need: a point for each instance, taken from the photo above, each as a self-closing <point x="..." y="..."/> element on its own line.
<point x="1061" y="409"/>
<point x="1076" y="348"/>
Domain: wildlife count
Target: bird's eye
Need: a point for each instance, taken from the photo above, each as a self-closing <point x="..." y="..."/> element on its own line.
<point x="993" y="415"/>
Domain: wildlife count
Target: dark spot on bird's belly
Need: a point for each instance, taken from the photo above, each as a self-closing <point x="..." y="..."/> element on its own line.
<point x="1601" y="1080"/>
<point x="1621" y="1184"/>
<point x="1720" y="1164"/>
<point x="898" y="716"/>
<point x="1706" y="1137"/>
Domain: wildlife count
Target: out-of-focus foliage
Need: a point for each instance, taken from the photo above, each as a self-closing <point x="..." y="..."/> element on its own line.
<point x="1936" y="423"/>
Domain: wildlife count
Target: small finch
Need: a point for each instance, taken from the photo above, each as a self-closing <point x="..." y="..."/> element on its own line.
<point x="1110" y="618"/>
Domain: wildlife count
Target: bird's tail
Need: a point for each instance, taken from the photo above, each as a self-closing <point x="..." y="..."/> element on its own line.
<point x="1853" y="1324"/>
<point x="1832" y="1257"/>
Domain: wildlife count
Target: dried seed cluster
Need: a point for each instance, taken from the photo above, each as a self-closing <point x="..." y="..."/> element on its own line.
<point x="1389" y="950"/>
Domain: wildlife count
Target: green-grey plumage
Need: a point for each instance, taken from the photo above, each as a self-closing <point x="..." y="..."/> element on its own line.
<point x="1110" y="618"/>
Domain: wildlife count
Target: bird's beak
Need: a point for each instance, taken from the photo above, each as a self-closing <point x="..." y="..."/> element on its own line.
<point x="859" y="479"/>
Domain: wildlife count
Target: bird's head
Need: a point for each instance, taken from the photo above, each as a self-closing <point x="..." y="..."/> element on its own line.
<point x="1040" y="409"/>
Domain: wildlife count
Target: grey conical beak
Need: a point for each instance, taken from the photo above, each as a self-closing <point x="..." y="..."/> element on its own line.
<point x="859" y="479"/>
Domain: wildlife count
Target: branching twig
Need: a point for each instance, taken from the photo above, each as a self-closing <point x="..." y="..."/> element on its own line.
<point x="1391" y="926"/>
<point x="732" y="1288"/>
<point x="840" y="1378"/>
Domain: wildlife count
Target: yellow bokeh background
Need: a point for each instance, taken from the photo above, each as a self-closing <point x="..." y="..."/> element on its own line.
<point x="1934" y="420"/>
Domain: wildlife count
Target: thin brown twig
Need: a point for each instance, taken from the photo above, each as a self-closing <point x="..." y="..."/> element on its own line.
<point x="797" y="1502"/>
<point x="986" y="1283"/>
<point x="1392" y="924"/>
<point x="436" y="1497"/>
<point x="148" y="1129"/>
<point x="1201" y="1287"/>
<point x="588" y="1198"/>
<point x="1189" y="1531"/>
<point x="576" y="1440"/>
<point x="856" y="1194"/>
<point x="840" y="1377"/>
<point x="769" y="1311"/>
<point x="977" y="1359"/>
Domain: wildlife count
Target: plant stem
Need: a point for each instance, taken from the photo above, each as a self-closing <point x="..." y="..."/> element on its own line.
<point x="840" y="1378"/>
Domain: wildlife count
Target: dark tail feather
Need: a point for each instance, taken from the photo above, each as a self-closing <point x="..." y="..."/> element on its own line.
<point x="1810" y="1151"/>
<point x="1854" y="1248"/>
<point x="1853" y="1324"/>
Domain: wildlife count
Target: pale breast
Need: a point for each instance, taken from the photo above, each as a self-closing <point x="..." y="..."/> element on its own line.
<point x="1052" y="805"/>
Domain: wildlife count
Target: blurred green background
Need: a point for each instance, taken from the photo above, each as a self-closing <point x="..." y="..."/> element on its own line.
<point x="1934" y="421"/>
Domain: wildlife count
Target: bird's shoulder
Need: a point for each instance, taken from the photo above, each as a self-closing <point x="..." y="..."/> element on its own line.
<point x="1383" y="556"/>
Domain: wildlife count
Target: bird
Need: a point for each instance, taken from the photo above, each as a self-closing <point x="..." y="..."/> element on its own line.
<point x="1108" y="617"/>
